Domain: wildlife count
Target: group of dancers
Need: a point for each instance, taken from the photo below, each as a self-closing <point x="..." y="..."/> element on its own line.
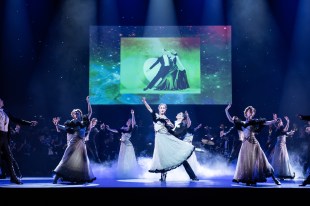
<point x="172" y="147"/>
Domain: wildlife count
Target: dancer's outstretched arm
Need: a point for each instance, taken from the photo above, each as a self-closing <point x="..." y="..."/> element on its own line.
<point x="287" y="124"/>
<point x="90" y="110"/>
<point x="227" y="113"/>
<point x="147" y="105"/>
<point x="133" y="120"/>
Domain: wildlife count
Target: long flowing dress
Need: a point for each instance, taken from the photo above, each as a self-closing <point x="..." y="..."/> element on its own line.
<point x="127" y="165"/>
<point x="280" y="159"/>
<point x="74" y="165"/>
<point x="252" y="164"/>
<point x="169" y="151"/>
<point x="176" y="79"/>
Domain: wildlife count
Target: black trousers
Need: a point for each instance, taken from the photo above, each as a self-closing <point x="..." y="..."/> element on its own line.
<point x="6" y="154"/>
<point x="235" y="151"/>
<point x="163" y="71"/>
<point x="189" y="170"/>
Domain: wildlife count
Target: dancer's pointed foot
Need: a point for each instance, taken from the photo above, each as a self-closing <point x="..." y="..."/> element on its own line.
<point x="304" y="183"/>
<point x="163" y="177"/>
<point x="56" y="177"/>
<point x="16" y="181"/>
<point x="195" y="179"/>
<point x="235" y="180"/>
<point x="277" y="181"/>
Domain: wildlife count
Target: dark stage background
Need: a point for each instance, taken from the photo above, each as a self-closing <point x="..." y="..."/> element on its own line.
<point x="45" y="53"/>
<point x="44" y="58"/>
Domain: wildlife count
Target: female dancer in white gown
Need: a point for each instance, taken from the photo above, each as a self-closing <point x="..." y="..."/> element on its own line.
<point x="74" y="165"/>
<point x="127" y="165"/>
<point x="280" y="159"/>
<point x="252" y="164"/>
<point x="169" y="151"/>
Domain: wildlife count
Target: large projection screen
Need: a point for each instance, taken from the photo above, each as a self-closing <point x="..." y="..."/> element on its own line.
<point x="188" y="65"/>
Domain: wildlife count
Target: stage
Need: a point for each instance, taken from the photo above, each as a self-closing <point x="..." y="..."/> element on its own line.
<point x="223" y="182"/>
<point x="220" y="189"/>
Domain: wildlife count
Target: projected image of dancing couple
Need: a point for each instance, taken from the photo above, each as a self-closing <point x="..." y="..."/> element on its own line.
<point x="171" y="74"/>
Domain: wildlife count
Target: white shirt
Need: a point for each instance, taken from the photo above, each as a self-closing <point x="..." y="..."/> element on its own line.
<point x="4" y="121"/>
<point x="166" y="60"/>
<point x="176" y="125"/>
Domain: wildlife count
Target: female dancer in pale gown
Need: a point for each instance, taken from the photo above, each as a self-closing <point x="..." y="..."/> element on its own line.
<point x="169" y="151"/>
<point x="127" y="165"/>
<point x="252" y="164"/>
<point x="280" y="159"/>
<point x="74" y="165"/>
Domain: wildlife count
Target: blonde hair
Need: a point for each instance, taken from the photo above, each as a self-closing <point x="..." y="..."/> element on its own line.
<point x="76" y="110"/>
<point x="249" y="108"/>
<point x="162" y="104"/>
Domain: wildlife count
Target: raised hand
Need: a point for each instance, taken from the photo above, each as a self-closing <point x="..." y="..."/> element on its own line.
<point x="34" y="123"/>
<point x="102" y="126"/>
<point x="56" y="120"/>
<point x="275" y="116"/>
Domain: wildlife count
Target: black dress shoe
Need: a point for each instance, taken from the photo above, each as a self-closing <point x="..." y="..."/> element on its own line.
<point x="277" y="182"/>
<point x="195" y="179"/>
<point x="304" y="183"/>
<point x="16" y="181"/>
<point x="236" y="181"/>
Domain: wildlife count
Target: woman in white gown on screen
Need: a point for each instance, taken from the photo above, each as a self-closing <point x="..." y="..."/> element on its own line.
<point x="127" y="165"/>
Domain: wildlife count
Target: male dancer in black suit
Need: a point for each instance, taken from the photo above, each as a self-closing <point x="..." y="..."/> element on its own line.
<point x="179" y="129"/>
<point x="165" y="65"/>
<point x="5" y="120"/>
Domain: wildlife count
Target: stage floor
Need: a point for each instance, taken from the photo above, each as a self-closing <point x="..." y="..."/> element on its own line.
<point x="215" y="182"/>
<point x="219" y="189"/>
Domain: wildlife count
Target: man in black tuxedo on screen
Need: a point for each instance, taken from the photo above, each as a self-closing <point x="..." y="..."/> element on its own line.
<point x="165" y="64"/>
